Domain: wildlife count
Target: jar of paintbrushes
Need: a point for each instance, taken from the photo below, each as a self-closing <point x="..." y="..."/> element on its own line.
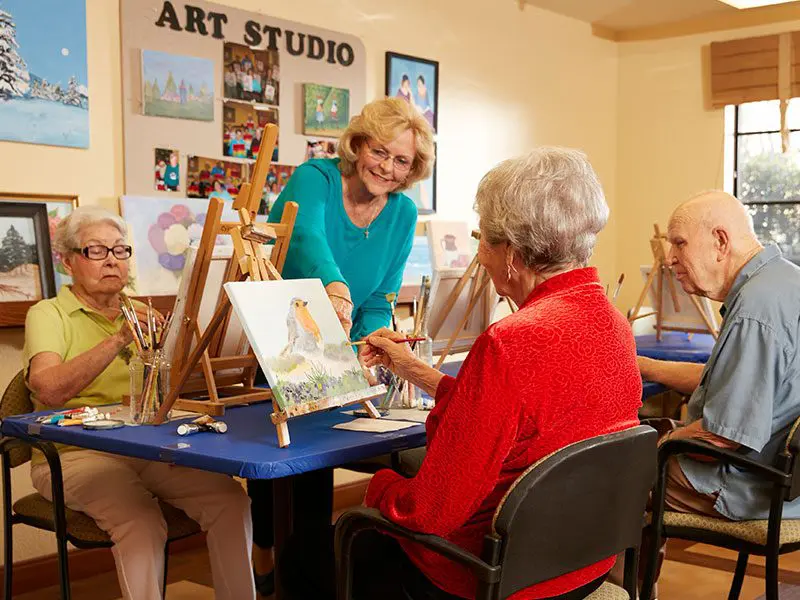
<point x="149" y="386"/>
<point x="149" y="367"/>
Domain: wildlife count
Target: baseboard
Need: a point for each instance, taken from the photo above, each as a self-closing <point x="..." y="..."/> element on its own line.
<point x="42" y="572"/>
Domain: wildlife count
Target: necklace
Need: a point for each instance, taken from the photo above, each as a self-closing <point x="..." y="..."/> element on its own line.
<point x="374" y="214"/>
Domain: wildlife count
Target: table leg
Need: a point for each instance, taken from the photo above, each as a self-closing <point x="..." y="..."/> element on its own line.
<point x="283" y="520"/>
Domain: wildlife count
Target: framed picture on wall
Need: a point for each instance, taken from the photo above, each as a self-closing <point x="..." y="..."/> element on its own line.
<point x="26" y="261"/>
<point x="415" y="80"/>
<point x="57" y="207"/>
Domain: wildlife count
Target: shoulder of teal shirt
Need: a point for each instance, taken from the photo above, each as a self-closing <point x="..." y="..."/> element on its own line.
<point x="318" y="174"/>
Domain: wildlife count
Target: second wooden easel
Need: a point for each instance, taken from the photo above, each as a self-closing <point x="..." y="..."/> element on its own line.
<point x="660" y="272"/>
<point x="479" y="281"/>
<point x="198" y="384"/>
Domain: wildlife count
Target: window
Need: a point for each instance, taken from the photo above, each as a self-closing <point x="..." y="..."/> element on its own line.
<point x="766" y="179"/>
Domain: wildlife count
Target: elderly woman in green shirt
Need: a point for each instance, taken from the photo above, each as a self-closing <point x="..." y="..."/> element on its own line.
<point x="354" y="231"/>
<point x="76" y="353"/>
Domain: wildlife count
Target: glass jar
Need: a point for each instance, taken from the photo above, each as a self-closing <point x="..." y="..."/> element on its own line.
<point x="149" y="386"/>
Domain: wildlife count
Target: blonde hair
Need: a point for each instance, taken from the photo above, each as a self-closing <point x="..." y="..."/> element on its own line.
<point x="385" y="120"/>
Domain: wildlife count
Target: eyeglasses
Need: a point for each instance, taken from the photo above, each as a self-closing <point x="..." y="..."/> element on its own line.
<point x="401" y="164"/>
<point x="99" y="252"/>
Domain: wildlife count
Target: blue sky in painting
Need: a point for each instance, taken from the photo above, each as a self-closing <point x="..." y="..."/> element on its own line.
<point x="44" y="29"/>
<point x="192" y="70"/>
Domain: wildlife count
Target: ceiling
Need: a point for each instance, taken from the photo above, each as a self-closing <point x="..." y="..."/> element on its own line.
<point x="646" y="19"/>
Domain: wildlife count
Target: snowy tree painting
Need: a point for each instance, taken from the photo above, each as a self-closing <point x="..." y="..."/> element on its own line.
<point x="44" y="94"/>
<point x="169" y="81"/>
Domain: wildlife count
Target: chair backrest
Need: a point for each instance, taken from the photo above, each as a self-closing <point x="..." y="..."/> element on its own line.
<point x="791" y="460"/>
<point x="17" y="401"/>
<point x="578" y="506"/>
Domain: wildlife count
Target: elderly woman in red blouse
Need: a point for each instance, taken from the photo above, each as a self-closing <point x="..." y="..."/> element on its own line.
<point x="559" y="370"/>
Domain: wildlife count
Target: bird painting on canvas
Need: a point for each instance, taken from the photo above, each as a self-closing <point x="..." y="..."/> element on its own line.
<point x="304" y="333"/>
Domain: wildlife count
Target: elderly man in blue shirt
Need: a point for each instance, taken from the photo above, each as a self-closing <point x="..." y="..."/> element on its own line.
<point x="747" y="395"/>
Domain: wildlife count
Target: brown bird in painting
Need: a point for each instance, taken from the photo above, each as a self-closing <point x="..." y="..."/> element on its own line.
<point x="304" y="333"/>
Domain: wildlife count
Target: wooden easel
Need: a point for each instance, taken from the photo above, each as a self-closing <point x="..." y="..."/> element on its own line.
<point x="658" y="273"/>
<point x="210" y="393"/>
<point x="250" y="262"/>
<point x="479" y="280"/>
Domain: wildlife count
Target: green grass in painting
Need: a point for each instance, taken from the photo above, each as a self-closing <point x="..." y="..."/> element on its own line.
<point x="198" y="111"/>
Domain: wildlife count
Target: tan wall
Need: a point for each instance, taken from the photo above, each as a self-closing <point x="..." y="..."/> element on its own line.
<point x="509" y="80"/>
<point x="670" y="145"/>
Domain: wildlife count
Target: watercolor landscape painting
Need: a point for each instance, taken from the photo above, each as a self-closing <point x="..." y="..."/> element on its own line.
<point x="299" y="341"/>
<point x="44" y="93"/>
<point x="180" y="87"/>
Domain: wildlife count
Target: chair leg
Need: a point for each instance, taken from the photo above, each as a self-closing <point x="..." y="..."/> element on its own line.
<point x="63" y="567"/>
<point x="166" y="565"/>
<point x="8" y="553"/>
<point x="652" y="556"/>
<point x="738" y="576"/>
<point x="772" y="576"/>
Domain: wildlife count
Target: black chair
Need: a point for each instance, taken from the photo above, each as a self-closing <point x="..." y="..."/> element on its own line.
<point x="571" y="509"/>
<point x="768" y="537"/>
<point x="35" y="510"/>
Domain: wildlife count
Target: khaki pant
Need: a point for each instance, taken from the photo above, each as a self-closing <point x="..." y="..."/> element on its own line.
<point x="119" y="493"/>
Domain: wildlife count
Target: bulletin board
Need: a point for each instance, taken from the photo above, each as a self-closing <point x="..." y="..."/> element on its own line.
<point x="197" y="33"/>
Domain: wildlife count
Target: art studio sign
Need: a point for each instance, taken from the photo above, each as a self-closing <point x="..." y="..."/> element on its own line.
<point x="194" y="19"/>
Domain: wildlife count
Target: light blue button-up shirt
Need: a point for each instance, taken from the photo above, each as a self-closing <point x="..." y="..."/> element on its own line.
<point x="749" y="392"/>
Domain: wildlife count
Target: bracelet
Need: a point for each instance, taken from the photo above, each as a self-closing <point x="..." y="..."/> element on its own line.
<point x="345" y="298"/>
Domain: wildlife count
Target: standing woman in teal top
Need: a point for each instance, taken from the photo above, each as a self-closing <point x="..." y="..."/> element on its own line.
<point x="354" y="231"/>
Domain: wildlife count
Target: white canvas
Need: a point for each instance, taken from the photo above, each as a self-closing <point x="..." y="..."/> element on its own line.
<point x="235" y="342"/>
<point x="442" y="285"/>
<point x="687" y="317"/>
<point x="299" y="341"/>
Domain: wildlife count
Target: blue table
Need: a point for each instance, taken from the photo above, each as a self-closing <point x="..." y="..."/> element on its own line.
<point x="676" y="346"/>
<point x="249" y="449"/>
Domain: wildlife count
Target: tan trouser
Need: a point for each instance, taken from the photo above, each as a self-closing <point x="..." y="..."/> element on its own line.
<point x="120" y="494"/>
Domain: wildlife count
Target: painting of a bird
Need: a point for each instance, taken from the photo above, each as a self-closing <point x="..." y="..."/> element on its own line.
<point x="304" y="333"/>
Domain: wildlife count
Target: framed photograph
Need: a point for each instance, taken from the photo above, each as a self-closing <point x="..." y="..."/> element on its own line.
<point x="176" y="86"/>
<point x="277" y="178"/>
<point x="205" y="176"/>
<point x="326" y="110"/>
<point x="58" y="207"/>
<point x="251" y="75"/>
<point x="167" y="170"/>
<point x="26" y="262"/>
<point x="243" y="127"/>
<point x="44" y="83"/>
<point x="415" y="80"/>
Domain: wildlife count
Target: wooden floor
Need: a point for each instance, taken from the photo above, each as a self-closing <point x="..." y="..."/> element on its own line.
<point x="694" y="572"/>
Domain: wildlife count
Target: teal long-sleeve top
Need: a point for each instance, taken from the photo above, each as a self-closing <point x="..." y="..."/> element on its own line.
<point x="327" y="245"/>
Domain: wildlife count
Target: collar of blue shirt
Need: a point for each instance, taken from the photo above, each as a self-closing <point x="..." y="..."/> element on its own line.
<point x="751" y="267"/>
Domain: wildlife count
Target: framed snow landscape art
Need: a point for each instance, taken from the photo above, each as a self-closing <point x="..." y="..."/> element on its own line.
<point x="44" y="93"/>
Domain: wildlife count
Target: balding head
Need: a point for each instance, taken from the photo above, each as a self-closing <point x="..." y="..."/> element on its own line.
<point x="712" y="238"/>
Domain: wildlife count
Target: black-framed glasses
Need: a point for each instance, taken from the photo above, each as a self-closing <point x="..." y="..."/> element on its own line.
<point x="402" y="164"/>
<point x="99" y="252"/>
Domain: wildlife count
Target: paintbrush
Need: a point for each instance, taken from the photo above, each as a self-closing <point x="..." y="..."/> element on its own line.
<point x="135" y="319"/>
<point x="619" y="286"/>
<point x="151" y="324"/>
<point x="129" y="322"/>
<point x="400" y="341"/>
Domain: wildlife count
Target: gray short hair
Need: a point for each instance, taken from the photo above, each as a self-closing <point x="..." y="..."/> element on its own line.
<point x="68" y="231"/>
<point x="548" y="205"/>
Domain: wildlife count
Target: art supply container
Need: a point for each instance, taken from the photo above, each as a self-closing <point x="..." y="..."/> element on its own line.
<point x="149" y="386"/>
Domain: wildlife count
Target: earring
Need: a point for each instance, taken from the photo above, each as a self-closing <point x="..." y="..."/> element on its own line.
<point x="508" y="272"/>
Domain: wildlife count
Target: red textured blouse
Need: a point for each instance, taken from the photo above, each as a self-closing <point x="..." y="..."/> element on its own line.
<point x="559" y="370"/>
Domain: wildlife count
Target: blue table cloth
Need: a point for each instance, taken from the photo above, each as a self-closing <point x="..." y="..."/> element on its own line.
<point x="676" y="346"/>
<point x="249" y="449"/>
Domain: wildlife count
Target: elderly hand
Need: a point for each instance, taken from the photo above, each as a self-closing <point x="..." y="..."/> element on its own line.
<point x="381" y="350"/>
<point x="339" y="295"/>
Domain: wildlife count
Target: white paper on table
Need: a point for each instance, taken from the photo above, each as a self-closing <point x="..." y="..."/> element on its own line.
<point x="375" y="425"/>
<point x="401" y="414"/>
